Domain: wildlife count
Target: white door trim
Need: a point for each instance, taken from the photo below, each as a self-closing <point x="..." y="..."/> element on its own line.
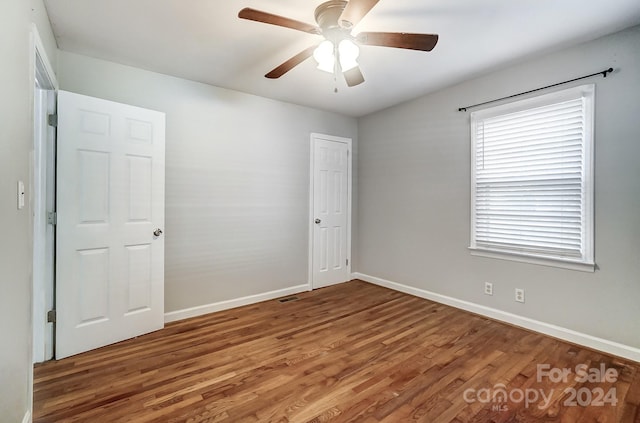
<point x="37" y="47"/>
<point x="314" y="136"/>
<point x="42" y="280"/>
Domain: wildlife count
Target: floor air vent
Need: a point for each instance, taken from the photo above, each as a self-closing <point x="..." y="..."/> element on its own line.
<point x="288" y="299"/>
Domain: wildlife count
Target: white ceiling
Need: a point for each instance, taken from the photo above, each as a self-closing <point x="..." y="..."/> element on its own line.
<point x="205" y="41"/>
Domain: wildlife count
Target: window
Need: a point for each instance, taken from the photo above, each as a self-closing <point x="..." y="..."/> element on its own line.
<point x="532" y="180"/>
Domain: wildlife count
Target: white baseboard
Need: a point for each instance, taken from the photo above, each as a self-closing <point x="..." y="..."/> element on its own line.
<point x="596" y="343"/>
<point x="172" y="316"/>
<point x="27" y="417"/>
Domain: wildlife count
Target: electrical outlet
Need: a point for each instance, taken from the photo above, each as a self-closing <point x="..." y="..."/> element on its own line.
<point x="488" y="288"/>
<point x="520" y="295"/>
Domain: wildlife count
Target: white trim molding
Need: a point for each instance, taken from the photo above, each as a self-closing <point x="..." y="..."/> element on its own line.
<point x="523" y="258"/>
<point x="555" y="331"/>
<point x="186" y="313"/>
<point x="27" y="417"/>
<point x="37" y="47"/>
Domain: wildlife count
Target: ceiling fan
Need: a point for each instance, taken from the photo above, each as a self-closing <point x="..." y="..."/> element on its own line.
<point x="338" y="52"/>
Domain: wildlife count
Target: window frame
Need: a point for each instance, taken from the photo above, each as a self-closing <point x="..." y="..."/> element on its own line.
<point x="587" y="261"/>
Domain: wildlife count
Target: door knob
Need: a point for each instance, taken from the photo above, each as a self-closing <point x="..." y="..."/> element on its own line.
<point x="318" y="221"/>
<point x="157" y="232"/>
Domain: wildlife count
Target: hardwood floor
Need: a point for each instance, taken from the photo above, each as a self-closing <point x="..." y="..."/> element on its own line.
<point x="351" y="352"/>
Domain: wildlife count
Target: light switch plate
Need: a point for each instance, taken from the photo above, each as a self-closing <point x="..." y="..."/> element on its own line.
<point x="20" y="195"/>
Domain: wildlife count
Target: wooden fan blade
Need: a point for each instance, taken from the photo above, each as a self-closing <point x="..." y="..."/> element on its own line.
<point x="353" y="77"/>
<point x="291" y="63"/>
<point x="424" y="42"/>
<point x="355" y="11"/>
<point x="259" y="16"/>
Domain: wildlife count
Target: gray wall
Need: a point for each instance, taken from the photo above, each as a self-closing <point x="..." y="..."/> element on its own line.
<point x="15" y="256"/>
<point x="414" y="194"/>
<point x="16" y="144"/>
<point x="237" y="179"/>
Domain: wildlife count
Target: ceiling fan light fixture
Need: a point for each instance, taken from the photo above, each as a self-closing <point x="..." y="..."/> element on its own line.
<point x="339" y="51"/>
<point x="323" y="54"/>
<point x="348" y="52"/>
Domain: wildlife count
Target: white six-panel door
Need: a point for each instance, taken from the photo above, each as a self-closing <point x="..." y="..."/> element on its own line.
<point x="110" y="200"/>
<point x="331" y="209"/>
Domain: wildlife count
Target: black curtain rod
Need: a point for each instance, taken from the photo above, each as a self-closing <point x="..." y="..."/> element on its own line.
<point x="603" y="73"/>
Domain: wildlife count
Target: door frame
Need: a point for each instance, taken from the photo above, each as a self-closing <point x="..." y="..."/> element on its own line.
<point x="42" y="338"/>
<point x="312" y="168"/>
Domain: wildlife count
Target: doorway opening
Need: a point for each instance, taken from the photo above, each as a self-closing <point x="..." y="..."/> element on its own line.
<point x="43" y="200"/>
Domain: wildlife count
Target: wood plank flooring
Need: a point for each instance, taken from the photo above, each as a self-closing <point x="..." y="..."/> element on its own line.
<point x="347" y="353"/>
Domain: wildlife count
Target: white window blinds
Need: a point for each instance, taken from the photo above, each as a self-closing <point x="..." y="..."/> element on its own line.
<point x="531" y="177"/>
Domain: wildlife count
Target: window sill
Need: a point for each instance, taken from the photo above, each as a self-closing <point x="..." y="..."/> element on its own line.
<point x="543" y="261"/>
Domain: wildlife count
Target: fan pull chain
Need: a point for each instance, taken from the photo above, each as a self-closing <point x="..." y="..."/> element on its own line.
<point x="335" y="67"/>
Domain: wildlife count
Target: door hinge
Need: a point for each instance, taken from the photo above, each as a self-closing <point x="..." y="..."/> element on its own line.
<point x="347" y="262"/>
<point x="52" y="218"/>
<point x="52" y="120"/>
<point x="51" y="316"/>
